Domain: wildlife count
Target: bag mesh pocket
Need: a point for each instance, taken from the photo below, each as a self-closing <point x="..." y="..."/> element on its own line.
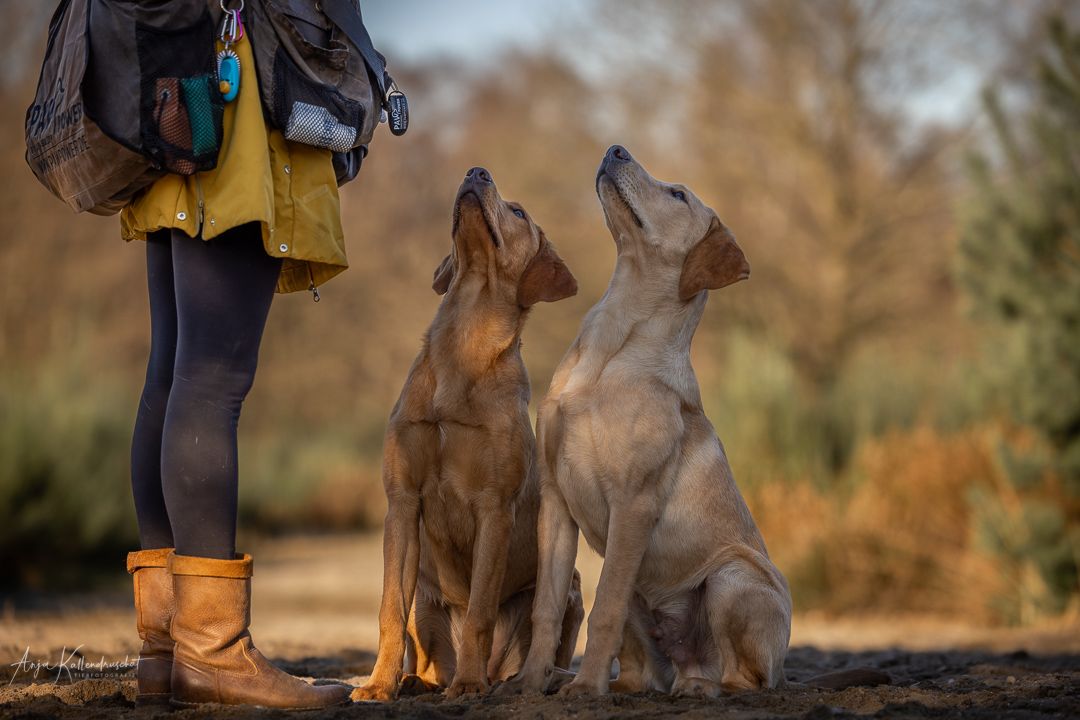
<point x="312" y="113"/>
<point x="171" y="128"/>
<point x="181" y="108"/>
<point x="204" y="106"/>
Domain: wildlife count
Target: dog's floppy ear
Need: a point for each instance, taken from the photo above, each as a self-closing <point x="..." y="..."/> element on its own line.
<point x="546" y="277"/>
<point x="715" y="262"/>
<point x="443" y="275"/>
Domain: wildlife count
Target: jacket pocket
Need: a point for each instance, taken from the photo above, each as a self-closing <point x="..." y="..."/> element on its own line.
<point x="305" y="22"/>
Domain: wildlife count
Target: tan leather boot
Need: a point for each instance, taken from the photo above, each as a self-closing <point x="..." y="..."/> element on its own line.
<point x="215" y="660"/>
<point x="154" y="606"/>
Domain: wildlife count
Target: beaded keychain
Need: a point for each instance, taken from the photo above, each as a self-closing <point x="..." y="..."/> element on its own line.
<point x="228" y="62"/>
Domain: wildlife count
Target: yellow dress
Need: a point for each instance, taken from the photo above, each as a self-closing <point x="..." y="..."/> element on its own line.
<point x="289" y="188"/>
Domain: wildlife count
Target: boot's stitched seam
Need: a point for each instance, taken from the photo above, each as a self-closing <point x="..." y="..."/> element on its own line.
<point x="140" y="620"/>
<point x="207" y="668"/>
<point x="248" y="658"/>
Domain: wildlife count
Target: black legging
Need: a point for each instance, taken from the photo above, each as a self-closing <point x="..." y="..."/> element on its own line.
<point x="208" y="306"/>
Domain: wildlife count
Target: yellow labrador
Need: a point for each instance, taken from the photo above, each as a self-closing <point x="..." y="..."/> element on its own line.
<point x="459" y="468"/>
<point x="688" y="599"/>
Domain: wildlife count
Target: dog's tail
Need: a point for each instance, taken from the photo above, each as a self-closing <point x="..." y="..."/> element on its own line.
<point x="855" y="677"/>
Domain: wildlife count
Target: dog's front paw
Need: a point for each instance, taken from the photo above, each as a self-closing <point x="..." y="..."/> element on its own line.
<point x="416" y="685"/>
<point x="627" y="686"/>
<point x="377" y="692"/>
<point x="520" y="684"/>
<point x="579" y="687"/>
<point x="697" y="688"/>
<point x="558" y="679"/>
<point x="464" y="686"/>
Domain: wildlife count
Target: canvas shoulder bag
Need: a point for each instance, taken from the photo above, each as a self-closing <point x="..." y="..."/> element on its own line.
<point x="127" y="92"/>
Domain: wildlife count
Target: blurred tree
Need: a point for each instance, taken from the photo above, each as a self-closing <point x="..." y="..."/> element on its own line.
<point x="1020" y="265"/>
<point x="843" y="197"/>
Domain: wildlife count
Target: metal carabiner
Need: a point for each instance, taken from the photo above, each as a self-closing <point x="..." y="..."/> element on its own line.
<point x="232" y="28"/>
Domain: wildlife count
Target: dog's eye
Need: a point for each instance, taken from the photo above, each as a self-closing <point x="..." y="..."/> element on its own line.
<point x="678" y="195"/>
<point x="520" y="213"/>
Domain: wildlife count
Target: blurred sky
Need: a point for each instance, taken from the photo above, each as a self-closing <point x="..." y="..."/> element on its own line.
<point x="472" y="30"/>
<point x="476" y="31"/>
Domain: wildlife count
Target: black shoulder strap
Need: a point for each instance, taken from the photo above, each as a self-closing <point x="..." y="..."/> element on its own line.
<point x="346" y="15"/>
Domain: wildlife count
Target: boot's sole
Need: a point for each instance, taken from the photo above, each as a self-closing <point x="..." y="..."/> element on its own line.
<point x="153" y="699"/>
<point x="185" y="704"/>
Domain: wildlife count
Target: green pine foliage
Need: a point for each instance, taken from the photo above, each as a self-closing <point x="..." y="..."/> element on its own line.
<point x="65" y="491"/>
<point x="1020" y="264"/>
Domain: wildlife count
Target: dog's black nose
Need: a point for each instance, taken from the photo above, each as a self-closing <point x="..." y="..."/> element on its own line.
<point x="478" y="174"/>
<point x="618" y="152"/>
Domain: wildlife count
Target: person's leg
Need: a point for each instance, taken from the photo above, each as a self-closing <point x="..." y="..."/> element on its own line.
<point x="154" y="529"/>
<point x="223" y="292"/>
<point x="151" y="579"/>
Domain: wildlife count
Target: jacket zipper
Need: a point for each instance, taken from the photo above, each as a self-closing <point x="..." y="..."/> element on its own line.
<point x="202" y="204"/>
<point x="312" y="288"/>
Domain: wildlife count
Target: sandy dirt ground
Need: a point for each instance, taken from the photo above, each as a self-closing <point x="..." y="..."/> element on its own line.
<point x="315" y="607"/>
